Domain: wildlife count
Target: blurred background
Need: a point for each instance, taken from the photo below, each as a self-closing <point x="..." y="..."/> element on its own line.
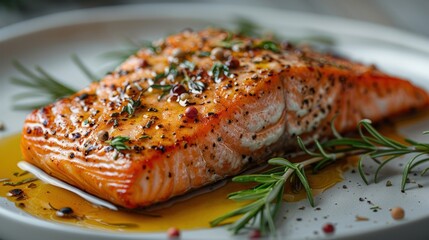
<point x="409" y="15"/>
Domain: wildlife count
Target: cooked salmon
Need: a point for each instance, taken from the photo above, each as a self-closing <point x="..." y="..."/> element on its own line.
<point x="198" y="107"/>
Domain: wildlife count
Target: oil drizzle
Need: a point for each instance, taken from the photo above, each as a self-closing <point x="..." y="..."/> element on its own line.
<point x="42" y="199"/>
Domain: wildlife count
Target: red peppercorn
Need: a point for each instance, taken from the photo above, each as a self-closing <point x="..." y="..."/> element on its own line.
<point x="328" y="228"/>
<point x="173" y="232"/>
<point x="191" y="112"/>
<point x="178" y="89"/>
<point x="143" y="63"/>
<point x="255" y="234"/>
<point x="232" y="62"/>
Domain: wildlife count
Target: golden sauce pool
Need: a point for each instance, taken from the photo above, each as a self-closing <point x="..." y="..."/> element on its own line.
<point x="41" y="200"/>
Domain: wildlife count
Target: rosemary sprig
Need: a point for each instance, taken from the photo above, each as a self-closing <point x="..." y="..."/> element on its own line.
<point x="131" y="48"/>
<point x="45" y="89"/>
<point x="88" y="73"/>
<point x="266" y="197"/>
<point x="118" y="143"/>
<point x="24" y="181"/>
<point x="41" y="84"/>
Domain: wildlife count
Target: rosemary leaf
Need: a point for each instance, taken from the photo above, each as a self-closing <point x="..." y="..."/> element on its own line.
<point x="90" y="75"/>
<point x="43" y="86"/>
<point x="27" y="180"/>
<point x="118" y="143"/>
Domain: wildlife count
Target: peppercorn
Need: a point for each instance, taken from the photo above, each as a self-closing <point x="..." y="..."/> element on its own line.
<point x="328" y="228"/>
<point x="177" y="53"/>
<point x="15" y="192"/>
<point x="232" y="63"/>
<point x="217" y="53"/>
<point x="102" y="136"/>
<point x="173" y="232"/>
<point x="184" y="96"/>
<point x="255" y="234"/>
<point x="191" y="112"/>
<point x="397" y="213"/>
<point x="178" y="89"/>
<point x="64" y="212"/>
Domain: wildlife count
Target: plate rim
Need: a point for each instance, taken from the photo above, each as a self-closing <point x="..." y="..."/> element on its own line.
<point x="364" y="29"/>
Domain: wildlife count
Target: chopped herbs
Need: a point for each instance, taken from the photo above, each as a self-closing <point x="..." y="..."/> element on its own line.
<point x="218" y="71"/>
<point x="27" y="180"/>
<point x="164" y="88"/>
<point x="145" y="136"/>
<point x="188" y="65"/>
<point x="196" y="86"/>
<point x="204" y="54"/>
<point x="230" y="44"/>
<point x="118" y="143"/>
<point x="170" y="73"/>
<point x="269" y="45"/>
<point x="388" y="183"/>
<point x="131" y="106"/>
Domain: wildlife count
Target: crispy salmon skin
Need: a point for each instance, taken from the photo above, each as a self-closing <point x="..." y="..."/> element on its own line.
<point x="197" y="107"/>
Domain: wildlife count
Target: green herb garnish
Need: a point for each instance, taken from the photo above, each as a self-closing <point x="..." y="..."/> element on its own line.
<point x="193" y="85"/>
<point x="171" y="72"/>
<point x="218" y="70"/>
<point x="230" y="43"/>
<point x="131" y="106"/>
<point x="27" y="180"/>
<point x="266" y="197"/>
<point x="41" y="85"/>
<point x="188" y="65"/>
<point x="131" y="48"/>
<point x="164" y="88"/>
<point x="88" y="73"/>
<point x="204" y="54"/>
<point x="118" y="143"/>
<point x="145" y="136"/>
<point x="269" y="45"/>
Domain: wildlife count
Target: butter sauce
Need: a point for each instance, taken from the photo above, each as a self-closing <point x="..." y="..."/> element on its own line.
<point x="42" y="199"/>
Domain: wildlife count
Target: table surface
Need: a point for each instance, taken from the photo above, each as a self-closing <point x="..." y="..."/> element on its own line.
<point x="410" y="15"/>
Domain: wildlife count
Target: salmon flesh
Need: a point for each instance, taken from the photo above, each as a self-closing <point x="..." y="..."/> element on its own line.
<point x="198" y="107"/>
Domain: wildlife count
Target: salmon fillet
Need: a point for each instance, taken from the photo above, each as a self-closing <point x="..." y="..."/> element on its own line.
<point x="197" y="107"/>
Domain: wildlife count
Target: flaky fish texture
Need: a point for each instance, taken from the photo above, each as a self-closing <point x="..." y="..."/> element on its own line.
<point x="198" y="107"/>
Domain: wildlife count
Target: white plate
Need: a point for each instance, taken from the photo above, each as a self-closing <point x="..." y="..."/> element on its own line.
<point x="49" y="42"/>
